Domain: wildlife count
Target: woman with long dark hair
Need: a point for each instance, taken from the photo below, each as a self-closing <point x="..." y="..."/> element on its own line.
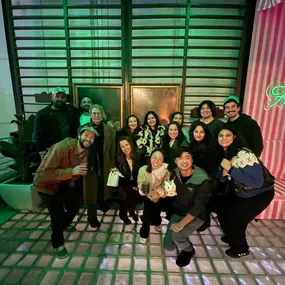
<point x="249" y="189"/>
<point x="173" y="139"/>
<point x="128" y="163"/>
<point x="179" y="118"/>
<point x="206" y="154"/>
<point x="151" y="134"/>
<point x="130" y="129"/>
<point x="204" y="151"/>
<point x="152" y="177"/>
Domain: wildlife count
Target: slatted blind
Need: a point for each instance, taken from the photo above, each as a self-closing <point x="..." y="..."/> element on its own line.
<point x="194" y="43"/>
<point x="59" y="43"/>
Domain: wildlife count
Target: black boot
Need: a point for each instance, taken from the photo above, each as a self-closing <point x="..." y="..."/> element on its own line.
<point x="184" y="257"/>
<point x="124" y="217"/>
<point x="133" y="215"/>
<point x="94" y="223"/>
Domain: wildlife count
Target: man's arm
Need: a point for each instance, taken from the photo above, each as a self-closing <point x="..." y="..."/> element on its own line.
<point x="52" y="162"/>
<point x="256" y="143"/>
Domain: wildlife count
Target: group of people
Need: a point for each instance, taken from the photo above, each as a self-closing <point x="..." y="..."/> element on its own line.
<point x="211" y="167"/>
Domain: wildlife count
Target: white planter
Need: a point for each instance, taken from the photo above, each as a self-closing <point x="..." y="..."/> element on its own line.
<point x="19" y="196"/>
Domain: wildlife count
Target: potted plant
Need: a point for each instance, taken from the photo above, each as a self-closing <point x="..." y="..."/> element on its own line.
<point x="19" y="192"/>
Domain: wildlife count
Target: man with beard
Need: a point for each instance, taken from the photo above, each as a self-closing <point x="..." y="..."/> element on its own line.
<point x="85" y="105"/>
<point x="189" y="206"/>
<point x="56" y="182"/>
<point x="244" y="124"/>
<point x="55" y="122"/>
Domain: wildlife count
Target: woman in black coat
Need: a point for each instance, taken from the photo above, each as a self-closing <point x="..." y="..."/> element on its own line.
<point x="206" y="154"/>
<point x="128" y="162"/>
<point x="173" y="139"/>
<point x="204" y="150"/>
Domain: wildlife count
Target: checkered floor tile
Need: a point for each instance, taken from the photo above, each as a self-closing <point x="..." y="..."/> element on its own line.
<point x="112" y="255"/>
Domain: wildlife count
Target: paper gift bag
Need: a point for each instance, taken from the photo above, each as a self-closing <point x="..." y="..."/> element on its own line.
<point x="113" y="179"/>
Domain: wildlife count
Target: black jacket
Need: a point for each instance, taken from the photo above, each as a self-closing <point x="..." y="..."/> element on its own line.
<point x="250" y="131"/>
<point x="126" y="171"/>
<point x="192" y="196"/>
<point x="47" y="130"/>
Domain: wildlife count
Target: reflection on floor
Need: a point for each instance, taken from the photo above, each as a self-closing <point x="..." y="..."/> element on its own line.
<point x="113" y="256"/>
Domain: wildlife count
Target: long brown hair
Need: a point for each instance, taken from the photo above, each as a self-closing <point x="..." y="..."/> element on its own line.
<point x="121" y="157"/>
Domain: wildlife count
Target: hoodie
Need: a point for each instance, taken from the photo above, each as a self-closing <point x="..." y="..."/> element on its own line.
<point x="250" y="131"/>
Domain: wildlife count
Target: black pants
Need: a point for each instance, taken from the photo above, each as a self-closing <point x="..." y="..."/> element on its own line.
<point x="237" y="213"/>
<point x="151" y="214"/>
<point x="129" y="198"/>
<point x="62" y="207"/>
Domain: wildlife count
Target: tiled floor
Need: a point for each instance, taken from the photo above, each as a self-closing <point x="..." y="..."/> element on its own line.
<point x="113" y="256"/>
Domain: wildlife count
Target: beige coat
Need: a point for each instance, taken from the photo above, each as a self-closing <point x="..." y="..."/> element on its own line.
<point x="90" y="181"/>
<point x="156" y="190"/>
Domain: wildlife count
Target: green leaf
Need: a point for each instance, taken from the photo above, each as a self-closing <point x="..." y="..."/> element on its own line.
<point x="19" y="117"/>
<point x="8" y="149"/>
<point x="15" y="122"/>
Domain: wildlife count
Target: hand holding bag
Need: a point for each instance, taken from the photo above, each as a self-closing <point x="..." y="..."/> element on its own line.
<point x="113" y="178"/>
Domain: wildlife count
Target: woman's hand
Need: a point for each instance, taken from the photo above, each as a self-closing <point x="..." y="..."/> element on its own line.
<point x="113" y="169"/>
<point x="177" y="227"/>
<point x="141" y="192"/>
<point x="225" y="173"/>
<point x="226" y="164"/>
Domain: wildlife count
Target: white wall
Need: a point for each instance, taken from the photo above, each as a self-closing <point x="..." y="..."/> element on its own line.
<point x="7" y="104"/>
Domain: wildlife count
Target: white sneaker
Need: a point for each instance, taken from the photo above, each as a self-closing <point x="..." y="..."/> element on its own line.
<point x="158" y="228"/>
<point x="142" y="240"/>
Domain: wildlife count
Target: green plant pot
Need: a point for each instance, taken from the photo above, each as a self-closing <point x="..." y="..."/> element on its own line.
<point x="19" y="196"/>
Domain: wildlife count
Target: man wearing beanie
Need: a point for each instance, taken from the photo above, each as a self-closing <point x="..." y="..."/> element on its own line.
<point x="244" y="124"/>
<point x="55" y="122"/>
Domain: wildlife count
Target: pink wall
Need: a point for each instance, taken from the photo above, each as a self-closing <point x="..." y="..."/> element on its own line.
<point x="266" y="68"/>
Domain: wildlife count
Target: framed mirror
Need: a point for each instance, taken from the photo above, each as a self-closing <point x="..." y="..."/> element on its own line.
<point x="110" y="97"/>
<point x="163" y="99"/>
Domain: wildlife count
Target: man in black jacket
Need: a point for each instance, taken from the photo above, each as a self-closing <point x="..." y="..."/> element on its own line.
<point x="244" y="124"/>
<point x="189" y="206"/>
<point x="55" y="122"/>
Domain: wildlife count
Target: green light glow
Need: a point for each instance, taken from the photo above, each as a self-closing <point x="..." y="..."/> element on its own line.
<point x="277" y="95"/>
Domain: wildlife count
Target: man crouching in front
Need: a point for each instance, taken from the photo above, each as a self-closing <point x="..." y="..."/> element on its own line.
<point x="55" y="181"/>
<point x="193" y="192"/>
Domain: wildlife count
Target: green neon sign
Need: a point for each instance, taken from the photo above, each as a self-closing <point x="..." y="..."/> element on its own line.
<point x="276" y="95"/>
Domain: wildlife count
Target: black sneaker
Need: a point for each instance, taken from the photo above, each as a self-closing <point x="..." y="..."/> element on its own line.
<point x="61" y="252"/>
<point x="94" y="223"/>
<point x="126" y="220"/>
<point x="224" y="239"/>
<point x="133" y="215"/>
<point x="229" y="252"/>
<point x="184" y="257"/>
